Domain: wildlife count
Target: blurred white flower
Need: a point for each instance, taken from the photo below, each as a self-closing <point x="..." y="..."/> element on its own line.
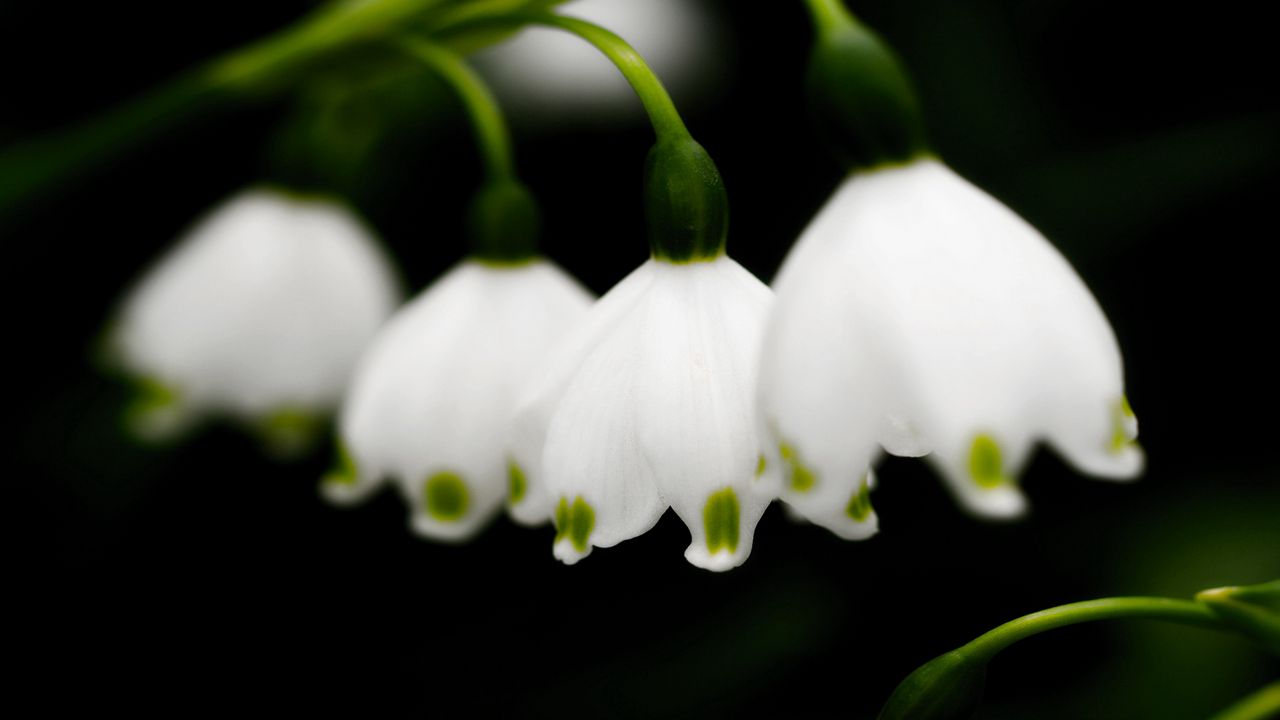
<point x="918" y="313"/>
<point x="547" y="70"/>
<point x="432" y="397"/>
<point x="258" y="313"/>
<point x="648" y="404"/>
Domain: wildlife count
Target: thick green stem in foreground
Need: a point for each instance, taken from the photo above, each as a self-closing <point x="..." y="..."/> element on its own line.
<point x="492" y="136"/>
<point x="1261" y="705"/>
<point x="1153" y="608"/>
<point x="950" y="686"/>
<point x="828" y="15"/>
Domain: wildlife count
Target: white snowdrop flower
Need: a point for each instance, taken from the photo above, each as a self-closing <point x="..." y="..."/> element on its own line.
<point x="648" y="404"/>
<point x="543" y="68"/>
<point x="918" y="313"/>
<point x="431" y="400"/>
<point x="259" y="313"/>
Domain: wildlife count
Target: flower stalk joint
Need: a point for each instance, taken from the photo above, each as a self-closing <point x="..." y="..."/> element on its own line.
<point x="859" y="94"/>
<point x="504" y="223"/>
<point x="685" y="202"/>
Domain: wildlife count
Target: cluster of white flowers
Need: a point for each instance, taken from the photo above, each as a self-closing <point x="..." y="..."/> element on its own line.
<point x="916" y="314"/>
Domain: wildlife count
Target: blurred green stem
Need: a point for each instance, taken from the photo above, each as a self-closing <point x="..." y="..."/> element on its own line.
<point x="486" y="118"/>
<point x="664" y="117"/>
<point x="828" y="15"/>
<point x="1261" y="705"/>
<point x="32" y="168"/>
<point x="1186" y="612"/>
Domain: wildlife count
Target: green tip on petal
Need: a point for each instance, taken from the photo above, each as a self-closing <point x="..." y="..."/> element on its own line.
<point x="1122" y="427"/>
<point x="153" y="402"/>
<point x="446" y="496"/>
<point x="344" y="471"/>
<point x="985" y="465"/>
<point x="760" y="465"/>
<point x="801" y="478"/>
<point x="720" y="521"/>
<point x="859" y="507"/>
<point x="151" y="394"/>
<point x="517" y="484"/>
<point x="574" y="522"/>
<point x="290" y="431"/>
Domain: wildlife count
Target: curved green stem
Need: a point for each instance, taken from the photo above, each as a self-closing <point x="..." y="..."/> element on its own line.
<point x="486" y="118"/>
<point x="1263" y="704"/>
<point x="1155" y="608"/>
<point x="662" y="112"/>
<point x="828" y="15"/>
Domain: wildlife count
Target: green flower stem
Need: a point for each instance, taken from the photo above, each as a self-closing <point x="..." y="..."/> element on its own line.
<point x="1154" y="608"/>
<point x="32" y="168"/>
<point x="828" y="15"/>
<point x="486" y="118"/>
<point x="664" y="117"/>
<point x="1261" y="705"/>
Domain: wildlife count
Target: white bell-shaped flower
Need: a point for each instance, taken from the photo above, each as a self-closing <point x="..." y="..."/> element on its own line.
<point x="432" y="398"/>
<point x="259" y="313"/>
<point x="918" y="313"/>
<point x="648" y="404"/>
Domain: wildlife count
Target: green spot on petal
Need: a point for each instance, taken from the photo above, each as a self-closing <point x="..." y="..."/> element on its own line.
<point x="151" y="394"/>
<point x="802" y="479"/>
<point x="446" y="496"/>
<point x="290" y="430"/>
<point x="517" y="484"/>
<point x="720" y="520"/>
<point x="574" y="522"/>
<point x="985" y="466"/>
<point x="582" y="519"/>
<point x="760" y="466"/>
<point x="344" y="471"/>
<point x="1122" y="420"/>
<point x="859" y="507"/>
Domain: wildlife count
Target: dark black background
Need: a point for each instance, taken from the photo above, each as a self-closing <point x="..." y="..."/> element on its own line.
<point x="1142" y="139"/>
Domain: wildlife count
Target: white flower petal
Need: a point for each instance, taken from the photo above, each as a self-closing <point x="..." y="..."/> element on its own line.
<point x="969" y="335"/>
<point x="431" y="399"/>
<point x="262" y="308"/>
<point x="542" y="395"/>
<point x="816" y="401"/>
<point x="695" y="414"/>
<point x="592" y="457"/>
<point x="656" y="410"/>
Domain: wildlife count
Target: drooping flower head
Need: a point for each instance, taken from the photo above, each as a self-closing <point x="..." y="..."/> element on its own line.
<point x="258" y="313"/>
<point x="431" y="400"/>
<point x="918" y="314"/>
<point x="433" y="397"/>
<point x="648" y="405"/>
